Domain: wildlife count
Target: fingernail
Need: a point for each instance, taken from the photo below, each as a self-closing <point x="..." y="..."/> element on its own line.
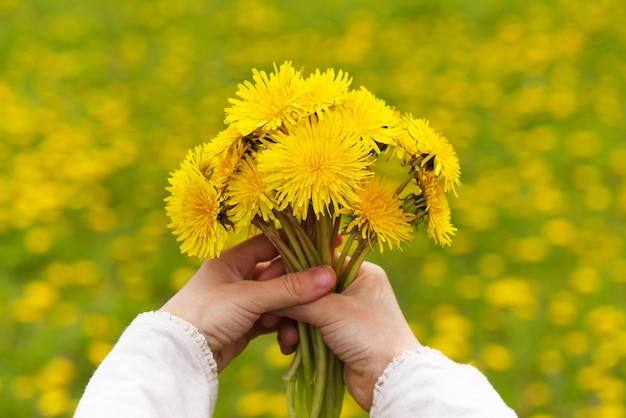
<point x="322" y="276"/>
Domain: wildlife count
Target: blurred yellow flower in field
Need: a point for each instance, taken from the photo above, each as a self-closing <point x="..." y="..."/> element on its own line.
<point x="585" y="280"/>
<point x="606" y="321"/>
<point x="97" y="351"/>
<point x="537" y="393"/>
<point x="563" y="308"/>
<point x="452" y="333"/>
<point x="455" y="346"/>
<point x="261" y="403"/>
<point x="550" y="361"/>
<point x="57" y="373"/>
<point x="53" y="402"/>
<point x="497" y="357"/>
<point x="39" y="296"/>
<point x="23" y="386"/>
<point x="515" y="293"/>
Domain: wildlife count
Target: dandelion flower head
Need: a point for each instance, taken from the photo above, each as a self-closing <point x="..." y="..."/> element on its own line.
<point x="323" y="90"/>
<point x="224" y="142"/>
<point x="438" y="224"/>
<point x="247" y="195"/>
<point x="320" y="162"/>
<point x="269" y="103"/>
<point x="377" y="122"/>
<point x="223" y="155"/>
<point x="194" y="207"/>
<point x="438" y="154"/>
<point x="378" y="213"/>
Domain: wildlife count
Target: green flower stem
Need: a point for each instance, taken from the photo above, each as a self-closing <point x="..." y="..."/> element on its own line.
<point x="294" y="243"/>
<point x="303" y="390"/>
<point x="332" y="383"/>
<point x="290" y="373"/>
<point x="331" y="240"/>
<point x="405" y="183"/>
<point x="315" y="385"/>
<point x="322" y="238"/>
<point x="305" y="346"/>
<point x="320" y="373"/>
<point x="344" y="253"/>
<point x="349" y="274"/>
<point x="289" y="259"/>
<point x="339" y="385"/>
<point x="329" y="399"/>
<point x="308" y="247"/>
<point x="291" y="395"/>
<point x="300" y="235"/>
<point x="318" y="236"/>
<point x="333" y="237"/>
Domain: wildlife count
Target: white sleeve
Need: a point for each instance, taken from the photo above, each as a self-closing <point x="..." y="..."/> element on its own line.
<point x="427" y="384"/>
<point x="160" y="367"/>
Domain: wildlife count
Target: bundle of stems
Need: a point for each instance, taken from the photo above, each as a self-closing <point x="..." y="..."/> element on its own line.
<point x="315" y="386"/>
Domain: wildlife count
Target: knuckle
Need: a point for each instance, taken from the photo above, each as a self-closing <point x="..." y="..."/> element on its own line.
<point x="294" y="285"/>
<point x="371" y="269"/>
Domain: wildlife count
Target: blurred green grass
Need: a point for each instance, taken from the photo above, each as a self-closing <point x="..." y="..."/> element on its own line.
<point x="99" y="101"/>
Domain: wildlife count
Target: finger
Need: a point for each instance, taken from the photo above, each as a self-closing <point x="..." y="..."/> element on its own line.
<point x="246" y="255"/>
<point x="269" y="320"/>
<point x="288" y="290"/>
<point x="260" y="268"/>
<point x="370" y="279"/>
<point x="338" y="240"/>
<point x="288" y="336"/>
<point x="258" y="329"/>
<point x="273" y="270"/>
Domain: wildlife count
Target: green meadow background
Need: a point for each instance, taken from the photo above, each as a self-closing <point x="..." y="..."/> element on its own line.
<point x="100" y="100"/>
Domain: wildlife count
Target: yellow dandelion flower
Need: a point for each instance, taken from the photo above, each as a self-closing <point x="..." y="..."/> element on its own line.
<point x="323" y="90"/>
<point x="437" y="155"/>
<point x="269" y="103"/>
<point x="376" y="122"/>
<point x="195" y="210"/>
<point x="247" y="195"/>
<point x="438" y="224"/>
<point x="199" y="159"/>
<point x="225" y="141"/>
<point x="378" y="213"/>
<point x="224" y="154"/>
<point x="319" y="163"/>
<point x="215" y="168"/>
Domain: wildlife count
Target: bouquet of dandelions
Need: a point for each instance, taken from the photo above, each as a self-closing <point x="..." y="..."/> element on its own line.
<point x="297" y="162"/>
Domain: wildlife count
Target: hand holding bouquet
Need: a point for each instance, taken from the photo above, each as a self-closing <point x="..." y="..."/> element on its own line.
<point x="297" y="162"/>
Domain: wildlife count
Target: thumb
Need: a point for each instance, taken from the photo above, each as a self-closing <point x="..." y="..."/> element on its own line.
<point x="292" y="289"/>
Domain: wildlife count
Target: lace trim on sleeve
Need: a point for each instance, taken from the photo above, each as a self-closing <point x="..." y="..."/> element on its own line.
<point x="395" y="363"/>
<point x="190" y="330"/>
